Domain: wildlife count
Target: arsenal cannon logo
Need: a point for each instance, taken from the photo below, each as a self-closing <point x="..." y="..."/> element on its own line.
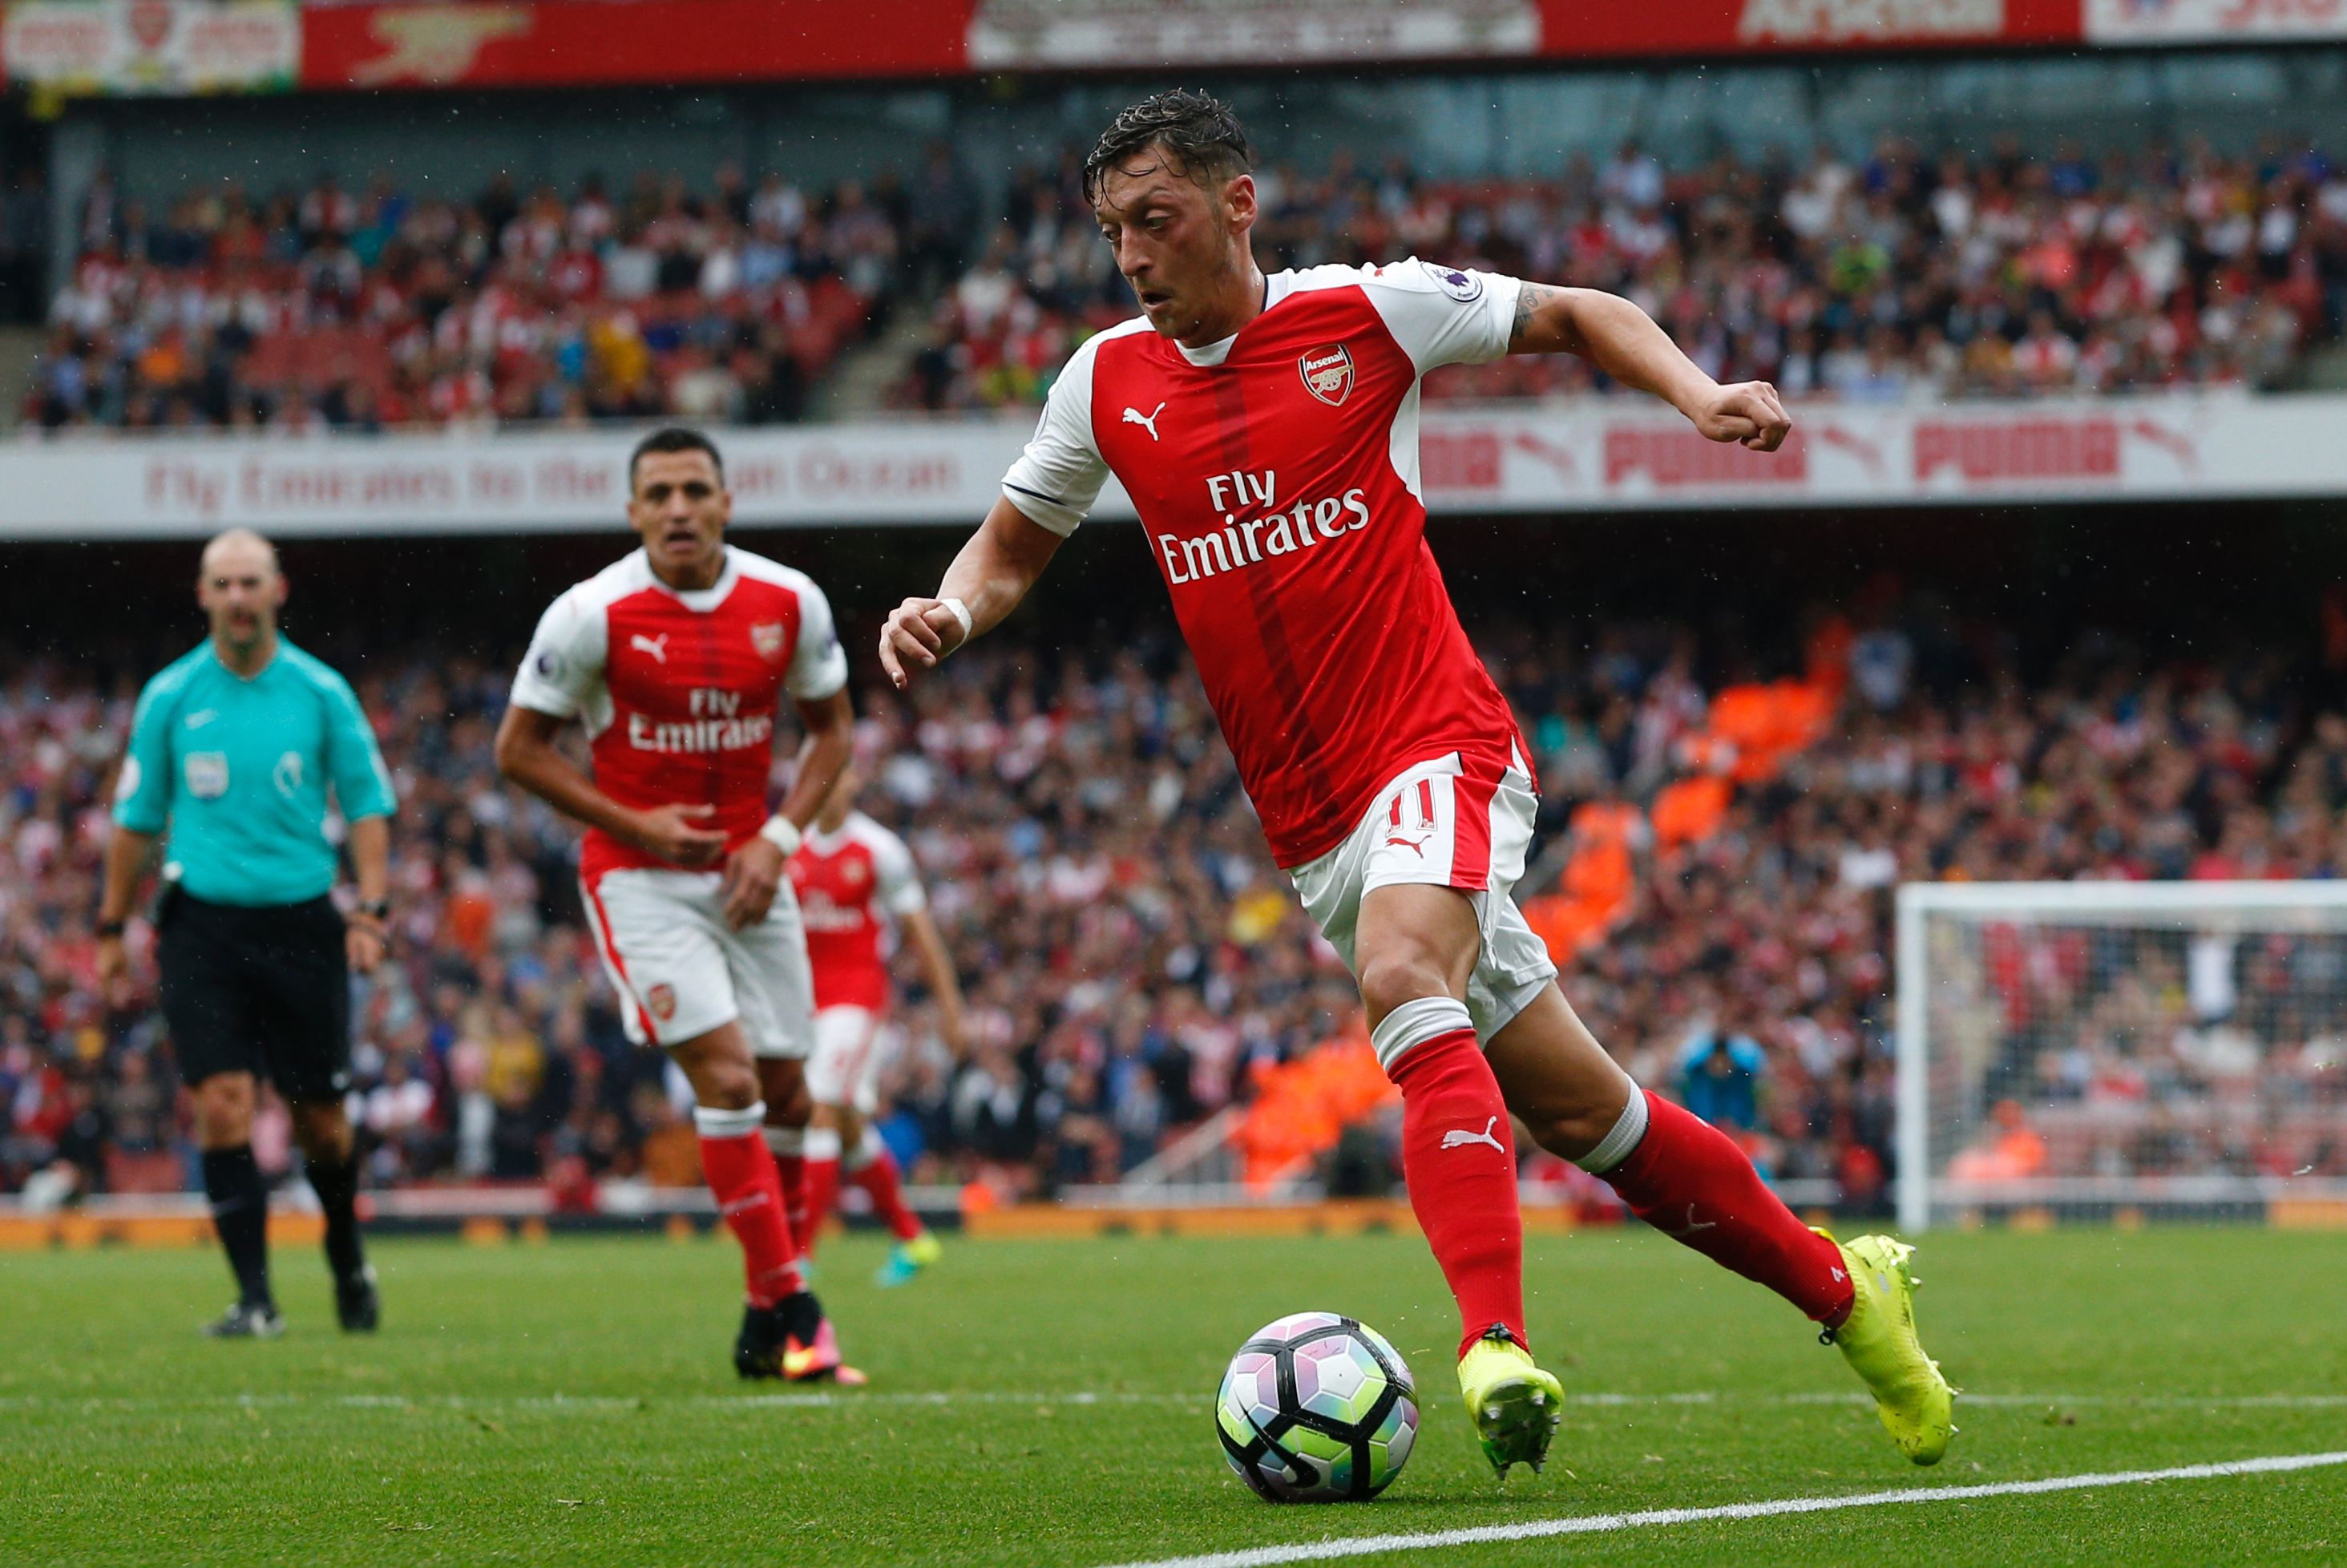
<point x="1327" y="372"/>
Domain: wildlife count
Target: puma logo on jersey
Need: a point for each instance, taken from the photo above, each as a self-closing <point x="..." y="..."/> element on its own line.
<point x="1458" y="1137"/>
<point x="655" y="646"/>
<point x="1146" y="421"/>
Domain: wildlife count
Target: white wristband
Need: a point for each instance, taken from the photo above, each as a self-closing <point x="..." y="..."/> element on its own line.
<point x="782" y="833"/>
<point x="960" y="613"/>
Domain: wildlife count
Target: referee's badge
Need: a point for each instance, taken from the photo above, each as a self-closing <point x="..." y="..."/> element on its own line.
<point x="206" y="774"/>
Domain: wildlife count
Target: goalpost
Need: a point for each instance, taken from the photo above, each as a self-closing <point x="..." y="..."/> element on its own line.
<point x="2121" y="1049"/>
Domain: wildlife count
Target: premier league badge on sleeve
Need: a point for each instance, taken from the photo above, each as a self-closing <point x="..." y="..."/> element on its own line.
<point x="1327" y="372"/>
<point x="1464" y="287"/>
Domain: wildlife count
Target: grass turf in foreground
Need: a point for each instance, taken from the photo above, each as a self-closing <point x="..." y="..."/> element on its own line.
<point x="1048" y="1402"/>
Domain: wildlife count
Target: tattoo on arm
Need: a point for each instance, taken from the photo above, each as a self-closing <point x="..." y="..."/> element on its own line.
<point x="1530" y="298"/>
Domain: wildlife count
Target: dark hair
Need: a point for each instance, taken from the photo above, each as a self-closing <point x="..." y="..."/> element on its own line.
<point x="1201" y="137"/>
<point x="674" y="438"/>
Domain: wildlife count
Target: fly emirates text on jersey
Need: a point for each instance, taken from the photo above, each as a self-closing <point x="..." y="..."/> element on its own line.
<point x="717" y="725"/>
<point x="1252" y="530"/>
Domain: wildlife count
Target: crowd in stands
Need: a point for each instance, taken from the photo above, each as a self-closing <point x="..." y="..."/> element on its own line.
<point x="1909" y="274"/>
<point x="379" y="306"/>
<point x="1135" y="963"/>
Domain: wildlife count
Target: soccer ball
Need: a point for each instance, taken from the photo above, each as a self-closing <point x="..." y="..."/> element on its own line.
<point x="1316" y="1408"/>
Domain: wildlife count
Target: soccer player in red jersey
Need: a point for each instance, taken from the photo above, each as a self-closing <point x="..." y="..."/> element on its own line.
<point x="675" y="660"/>
<point x="1266" y="429"/>
<point x="853" y="878"/>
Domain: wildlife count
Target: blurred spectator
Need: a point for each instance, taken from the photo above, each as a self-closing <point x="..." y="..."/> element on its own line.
<point x="1130" y="956"/>
<point x="1910" y="274"/>
<point x="374" y="308"/>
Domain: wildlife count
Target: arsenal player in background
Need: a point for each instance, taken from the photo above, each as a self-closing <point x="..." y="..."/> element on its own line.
<point x="675" y="659"/>
<point x="1266" y="429"/>
<point x="855" y="878"/>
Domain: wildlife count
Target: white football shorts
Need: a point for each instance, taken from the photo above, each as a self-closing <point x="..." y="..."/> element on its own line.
<point x="1435" y="827"/>
<point x="681" y="970"/>
<point x="848" y="1051"/>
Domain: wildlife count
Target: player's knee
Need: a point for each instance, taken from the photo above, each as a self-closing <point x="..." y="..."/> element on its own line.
<point x="1403" y="974"/>
<point x="223" y="1108"/>
<point x="795" y="1107"/>
<point x="323" y="1130"/>
<point x="725" y="1086"/>
<point x="1570" y="1131"/>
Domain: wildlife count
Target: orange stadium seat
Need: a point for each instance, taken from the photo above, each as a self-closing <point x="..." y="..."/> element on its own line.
<point x="1301" y="1106"/>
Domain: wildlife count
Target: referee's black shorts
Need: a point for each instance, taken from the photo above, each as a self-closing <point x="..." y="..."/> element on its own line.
<point x="264" y="989"/>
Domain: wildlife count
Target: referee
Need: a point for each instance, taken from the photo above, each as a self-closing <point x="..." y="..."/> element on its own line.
<point x="236" y="747"/>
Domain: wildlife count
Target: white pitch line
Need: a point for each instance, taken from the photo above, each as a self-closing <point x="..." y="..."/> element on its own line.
<point x="1608" y="1523"/>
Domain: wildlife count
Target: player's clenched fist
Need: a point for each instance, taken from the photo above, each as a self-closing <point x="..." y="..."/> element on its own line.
<point x="669" y="832"/>
<point x="920" y="632"/>
<point x="1747" y="411"/>
<point x="753" y="875"/>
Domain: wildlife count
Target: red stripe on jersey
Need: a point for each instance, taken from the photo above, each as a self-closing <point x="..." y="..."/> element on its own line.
<point x="1471" y="837"/>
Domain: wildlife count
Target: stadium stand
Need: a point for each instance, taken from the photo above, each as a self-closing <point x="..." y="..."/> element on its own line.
<point x="1908" y="273"/>
<point x="364" y="309"/>
<point x="1902" y="274"/>
<point x="1135" y="964"/>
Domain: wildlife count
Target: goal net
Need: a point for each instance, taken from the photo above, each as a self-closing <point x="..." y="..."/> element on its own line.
<point x="2122" y="1049"/>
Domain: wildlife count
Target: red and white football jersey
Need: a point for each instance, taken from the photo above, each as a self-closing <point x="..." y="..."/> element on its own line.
<point x="846" y="882"/>
<point x="1276" y="473"/>
<point x="677" y="690"/>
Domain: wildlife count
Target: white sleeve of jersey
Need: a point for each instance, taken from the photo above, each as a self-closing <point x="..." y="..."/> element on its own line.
<point x="563" y="670"/>
<point x="1444" y="315"/>
<point x="819" y="665"/>
<point x="1058" y="476"/>
<point x="894" y="877"/>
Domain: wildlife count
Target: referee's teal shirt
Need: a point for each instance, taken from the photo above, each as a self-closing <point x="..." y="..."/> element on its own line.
<point x="239" y="771"/>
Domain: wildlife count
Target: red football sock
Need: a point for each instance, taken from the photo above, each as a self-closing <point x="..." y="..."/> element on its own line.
<point x="823" y="1191"/>
<point x="884" y="1184"/>
<point x="742" y="1176"/>
<point x="1459" y="1157"/>
<point x="1689" y="1181"/>
<point x="790" y="1170"/>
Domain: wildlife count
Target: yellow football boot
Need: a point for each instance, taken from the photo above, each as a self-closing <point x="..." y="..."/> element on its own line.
<point x="1515" y="1405"/>
<point x="1878" y="1340"/>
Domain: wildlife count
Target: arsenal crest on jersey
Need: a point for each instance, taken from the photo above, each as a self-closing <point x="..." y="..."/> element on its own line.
<point x="1327" y="372"/>
<point x="661" y="999"/>
<point x="766" y="636"/>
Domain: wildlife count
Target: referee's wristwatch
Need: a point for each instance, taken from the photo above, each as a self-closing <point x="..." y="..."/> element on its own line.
<point x="378" y="911"/>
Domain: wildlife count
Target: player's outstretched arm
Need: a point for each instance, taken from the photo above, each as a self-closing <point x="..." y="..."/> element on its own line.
<point x="992" y="574"/>
<point x="527" y="754"/>
<point x="1624" y="342"/>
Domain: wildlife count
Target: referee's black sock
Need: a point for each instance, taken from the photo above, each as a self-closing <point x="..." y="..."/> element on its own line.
<point x="241" y="1214"/>
<point x="337" y="1186"/>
